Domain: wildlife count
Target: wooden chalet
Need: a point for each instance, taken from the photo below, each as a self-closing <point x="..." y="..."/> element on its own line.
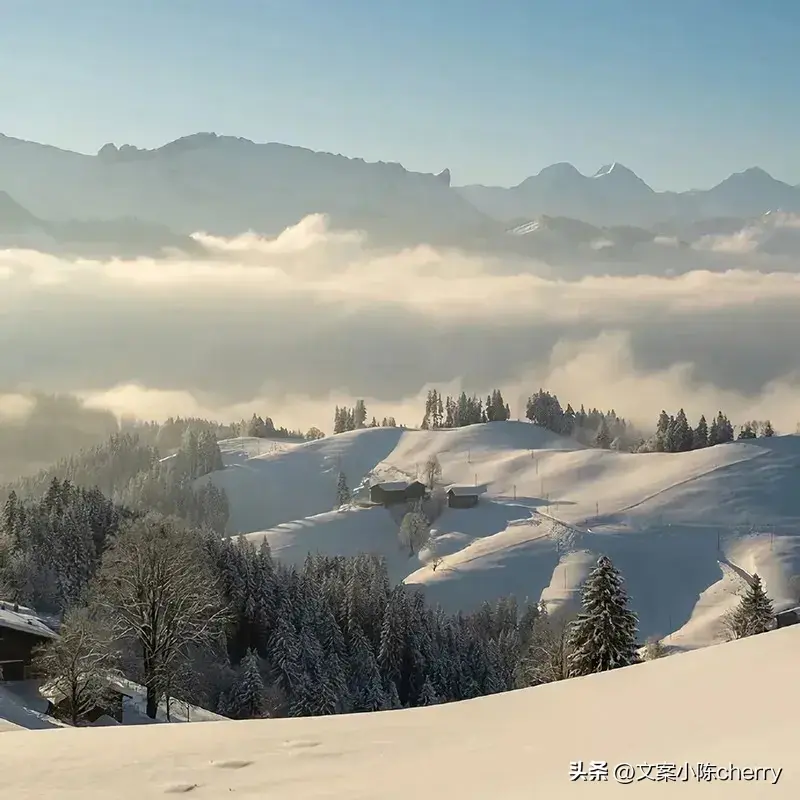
<point x="464" y="496"/>
<point x="391" y="493"/>
<point x="21" y="632"/>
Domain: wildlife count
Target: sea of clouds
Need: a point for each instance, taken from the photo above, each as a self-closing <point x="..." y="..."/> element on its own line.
<point x="294" y="325"/>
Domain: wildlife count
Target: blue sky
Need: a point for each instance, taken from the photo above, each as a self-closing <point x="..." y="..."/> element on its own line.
<point x="683" y="92"/>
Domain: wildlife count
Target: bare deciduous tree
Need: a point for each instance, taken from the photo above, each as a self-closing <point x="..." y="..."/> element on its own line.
<point x="432" y="471"/>
<point x="157" y="586"/>
<point x="436" y="557"/>
<point x="77" y="666"/>
<point x="414" y="529"/>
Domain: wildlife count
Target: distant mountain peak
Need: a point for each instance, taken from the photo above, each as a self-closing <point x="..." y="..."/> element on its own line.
<point x="752" y="175"/>
<point x="616" y="169"/>
<point x="560" y="168"/>
<point x="444" y="176"/>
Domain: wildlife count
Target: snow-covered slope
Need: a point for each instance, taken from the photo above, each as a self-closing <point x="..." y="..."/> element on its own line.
<point x="683" y="710"/>
<point x="683" y="528"/>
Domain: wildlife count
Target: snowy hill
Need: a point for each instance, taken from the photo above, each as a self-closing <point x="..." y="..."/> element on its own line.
<point x="685" y="528"/>
<point x="679" y="711"/>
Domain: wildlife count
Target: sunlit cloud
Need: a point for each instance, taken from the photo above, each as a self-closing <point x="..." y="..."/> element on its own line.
<point x="293" y="325"/>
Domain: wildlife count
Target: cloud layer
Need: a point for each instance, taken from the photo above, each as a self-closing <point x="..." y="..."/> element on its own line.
<point x="294" y="325"/>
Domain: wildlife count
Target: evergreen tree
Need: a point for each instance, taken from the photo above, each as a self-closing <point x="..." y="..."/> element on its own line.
<point x="662" y="429"/>
<point x="428" y="696"/>
<point x="767" y="430"/>
<point x="747" y="431"/>
<point x="247" y="699"/>
<point x="754" y="614"/>
<point x="700" y="436"/>
<point x="603" y="438"/>
<point x="603" y="637"/>
<point x="683" y="434"/>
<point x="343" y="496"/>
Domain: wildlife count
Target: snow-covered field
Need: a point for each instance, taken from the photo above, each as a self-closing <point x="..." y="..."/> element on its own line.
<point x="684" y="528"/>
<point x="731" y="705"/>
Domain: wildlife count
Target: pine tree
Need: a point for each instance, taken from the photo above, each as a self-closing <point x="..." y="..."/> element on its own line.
<point x="747" y="431"/>
<point x="428" y="696"/>
<point x="343" y="496"/>
<point x="754" y="614"/>
<point x="700" y="437"/>
<point x="603" y="437"/>
<point x="661" y="432"/>
<point x="247" y="696"/>
<point x="603" y="637"/>
<point x="768" y="430"/>
<point x="684" y="436"/>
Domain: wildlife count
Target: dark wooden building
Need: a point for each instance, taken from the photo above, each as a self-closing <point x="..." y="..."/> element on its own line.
<point x="463" y="496"/>
<point x="111" y="705"/>
<point x="20" y="634"/>
<point x="391" y="493"/>
<point x="791" y="616"/>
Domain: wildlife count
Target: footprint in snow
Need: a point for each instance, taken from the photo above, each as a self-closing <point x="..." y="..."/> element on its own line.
<point x="231" y="764"/>
<point x="301" y="744"/>
<point x="181" y="788"/>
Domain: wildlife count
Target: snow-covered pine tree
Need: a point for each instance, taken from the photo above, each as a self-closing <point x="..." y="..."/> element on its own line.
<point x="603" y="436"/>
<point x="603" y="637"/>
<point x="365" y="686"/>
<point x="247" y="699"/>
<point x="700" y="434"/>
<point x="428" y="696"/>
<point x="343" y="496"/>
<point x="754" y="614"/>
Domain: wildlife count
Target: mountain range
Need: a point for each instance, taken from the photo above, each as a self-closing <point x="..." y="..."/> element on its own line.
<point x="615" y="195"/>
<point x="153" y="199"/>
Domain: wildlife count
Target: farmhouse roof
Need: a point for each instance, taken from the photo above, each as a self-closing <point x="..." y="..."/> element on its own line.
<point x="465" y="491"/>
<point x="24" y="620"/>
<point x="392" y="486"/>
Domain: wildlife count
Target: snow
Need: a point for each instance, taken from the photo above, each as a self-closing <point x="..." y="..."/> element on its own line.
<point x="392" y="486"/>
<point x="23" y="620"/>
<point x="683" y="708"/>
<point x="683" y="528"/>
<point x="465" y="491"/>
<point x="24" y="704"/>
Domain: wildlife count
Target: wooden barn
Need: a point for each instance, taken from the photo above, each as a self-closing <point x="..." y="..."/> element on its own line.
<point x="21" y="632"/>
<point x="463" y="496"/>
<point x="391" y="493"/>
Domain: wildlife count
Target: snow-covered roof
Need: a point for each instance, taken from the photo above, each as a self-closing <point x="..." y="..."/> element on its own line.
<point x="392" y="486"/>
<point x="24" y="620"/>
<point x="466" y="491"/>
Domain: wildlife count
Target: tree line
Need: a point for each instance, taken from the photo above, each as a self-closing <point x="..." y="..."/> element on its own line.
<point x="674" y="433"/>
<point x="221" y="624"/>
<point x="355" y="418"/>
<point x="54" y="525"/>
<point x="458" y="412"/>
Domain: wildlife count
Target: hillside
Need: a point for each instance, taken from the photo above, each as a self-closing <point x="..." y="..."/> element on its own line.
<point x="514" y="745"/>
<point x="123" y="237"/>
<point x="682" y="527"/>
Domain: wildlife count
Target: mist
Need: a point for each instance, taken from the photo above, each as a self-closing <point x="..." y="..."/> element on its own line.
<point x="292" y="326"/>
